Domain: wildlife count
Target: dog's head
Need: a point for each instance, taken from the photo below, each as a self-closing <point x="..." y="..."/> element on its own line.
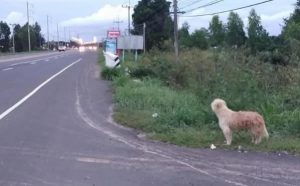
<point x="217" y="104"/>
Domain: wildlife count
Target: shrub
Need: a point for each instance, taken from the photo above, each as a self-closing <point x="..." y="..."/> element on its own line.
<point x="110" y="73"/>
<point x="141" y="72"/>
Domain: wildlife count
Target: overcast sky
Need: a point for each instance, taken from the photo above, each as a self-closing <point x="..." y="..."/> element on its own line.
<point x="89" y="18"/>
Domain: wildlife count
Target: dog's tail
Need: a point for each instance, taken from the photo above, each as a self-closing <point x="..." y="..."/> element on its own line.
<point x="262" y="123"/>
<point x="265" y="134"/>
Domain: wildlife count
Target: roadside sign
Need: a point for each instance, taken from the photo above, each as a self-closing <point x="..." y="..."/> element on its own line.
<point x="132" y="42"/>
<point x="111" y="46"/>
<point x="111" y="41"/>
<point x="113" y="34"/>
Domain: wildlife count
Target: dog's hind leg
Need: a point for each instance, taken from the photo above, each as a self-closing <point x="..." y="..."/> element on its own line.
<point x="258" y="140"/>
<point x="252" y="138"/>
<point x="256" y="136"/>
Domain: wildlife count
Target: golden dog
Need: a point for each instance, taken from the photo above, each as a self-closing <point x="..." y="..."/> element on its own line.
<point x="230" y="120"/>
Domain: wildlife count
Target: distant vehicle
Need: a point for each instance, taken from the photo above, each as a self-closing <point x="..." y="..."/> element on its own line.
<point x="61" y="48"/>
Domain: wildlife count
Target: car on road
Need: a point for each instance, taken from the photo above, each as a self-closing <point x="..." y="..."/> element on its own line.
<point x="62" y="48"/>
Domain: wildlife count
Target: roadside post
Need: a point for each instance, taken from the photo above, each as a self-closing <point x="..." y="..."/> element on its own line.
<point x="111" y="60"/>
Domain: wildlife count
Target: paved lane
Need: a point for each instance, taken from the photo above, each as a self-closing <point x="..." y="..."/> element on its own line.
<point x="18" y="78"/>
<point x="46" y="142"/>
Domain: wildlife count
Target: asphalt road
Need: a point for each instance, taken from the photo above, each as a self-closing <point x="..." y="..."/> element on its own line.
<point x="56" y="130"/>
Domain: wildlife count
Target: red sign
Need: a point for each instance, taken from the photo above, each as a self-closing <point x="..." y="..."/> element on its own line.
<point x="113" y="34"/>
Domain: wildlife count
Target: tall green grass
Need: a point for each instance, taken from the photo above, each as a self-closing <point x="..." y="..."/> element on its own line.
<point x="180" y="93"/>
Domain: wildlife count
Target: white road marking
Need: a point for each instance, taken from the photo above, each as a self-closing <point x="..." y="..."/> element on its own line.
<point x="93" y="160"/>
<point x="15" y="64"/>
<point x="33" y="63"/>
<point x="6" y="69"/>
<point x="27" y="62"/>
<point x="5" y="113"/>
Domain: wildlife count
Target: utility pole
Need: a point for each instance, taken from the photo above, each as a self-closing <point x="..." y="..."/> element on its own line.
<point x="129" y="18"/>
<point x="48" y="45"/>
<point x="14" y="48"/>
<point x="65" y="35"/>
<point x="28" y="30"/>
<point x="176" y="12"/>
<point x="175" y="30"/>
<point x="1" y="34"/>
<point x="144" y="37"/>
<point x="69" y="34"/>
<point x="13" y="35"/>
<point x="57" y="35"/>
<point x="118" y="22"/>
<point x="40" y="35"/>
<point x="128" y="6"/>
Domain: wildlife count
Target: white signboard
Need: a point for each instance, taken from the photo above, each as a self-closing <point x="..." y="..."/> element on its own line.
<point x="130" y="42"/>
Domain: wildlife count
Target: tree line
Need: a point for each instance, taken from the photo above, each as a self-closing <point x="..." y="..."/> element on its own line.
<point x="230" y="34"/>
<point x="20" y="34"/>
<point x="255" y="38"/>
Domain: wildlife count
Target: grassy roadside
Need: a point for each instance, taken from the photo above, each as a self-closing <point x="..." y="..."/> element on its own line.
<point x="172" y="104"/>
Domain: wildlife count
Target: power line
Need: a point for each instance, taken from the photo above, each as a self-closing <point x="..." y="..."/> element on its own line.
<point x="243" y="7"/>
<point x="184" y="1"/>
<point x="118" y="21"/>
<point x="190" y="4"/>
<point x="206" y="5"/>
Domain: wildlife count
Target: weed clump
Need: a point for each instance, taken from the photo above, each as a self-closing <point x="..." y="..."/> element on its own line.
<point x="110" y="73"/>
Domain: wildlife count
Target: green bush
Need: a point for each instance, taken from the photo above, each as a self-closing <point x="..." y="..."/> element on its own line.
<point x="110" y="73"/>
<point x="141" y="72"/>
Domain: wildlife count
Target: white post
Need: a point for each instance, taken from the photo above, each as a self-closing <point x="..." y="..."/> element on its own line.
<point x="123" y="57"/>
<point x="144" y="37"/>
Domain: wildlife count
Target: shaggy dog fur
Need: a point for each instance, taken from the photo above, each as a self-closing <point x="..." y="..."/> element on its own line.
<point x="230" y="120"/>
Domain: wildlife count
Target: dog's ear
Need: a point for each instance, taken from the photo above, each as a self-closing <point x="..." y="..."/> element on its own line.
<point x="218" y="105"/>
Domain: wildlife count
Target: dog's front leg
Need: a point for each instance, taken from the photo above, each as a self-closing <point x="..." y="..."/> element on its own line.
<point x="228" y="135"/>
